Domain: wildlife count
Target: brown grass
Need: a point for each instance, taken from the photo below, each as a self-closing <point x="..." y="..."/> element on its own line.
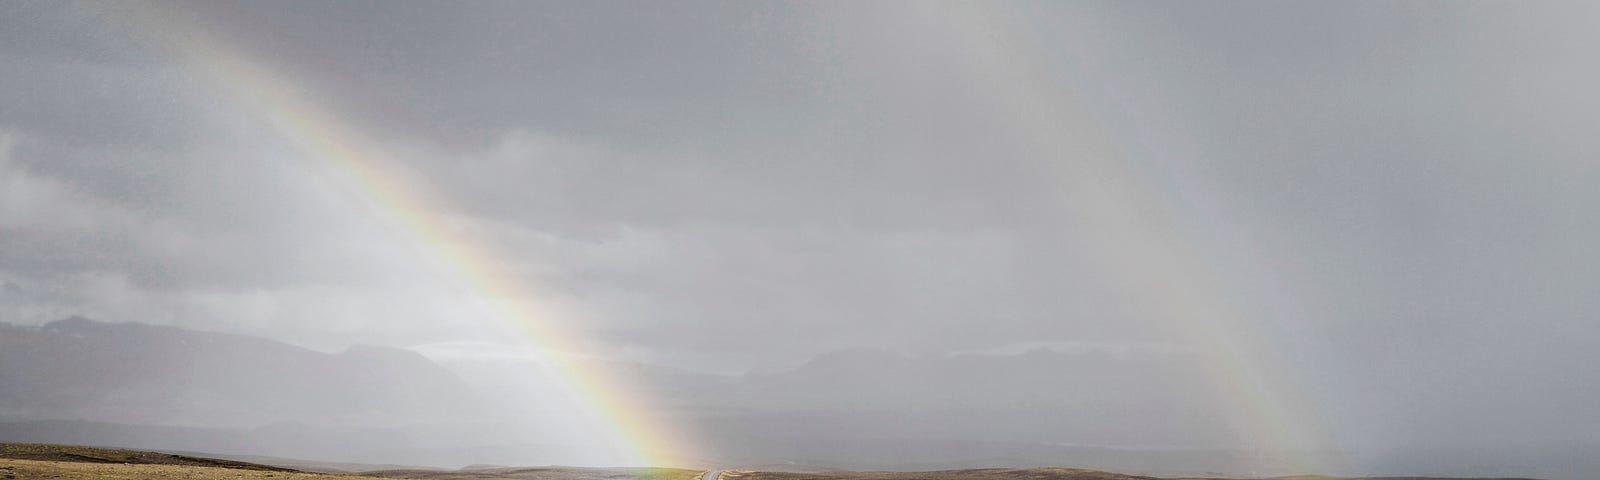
<point x="12" y="469"/>
<point x="38" y="461"/>
<point x="70" y="453"/>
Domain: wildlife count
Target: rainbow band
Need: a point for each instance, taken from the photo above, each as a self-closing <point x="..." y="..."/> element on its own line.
<point x="425" y="218"/>
<point x="1136" y="241"/>
<point x="1100" y="191"/>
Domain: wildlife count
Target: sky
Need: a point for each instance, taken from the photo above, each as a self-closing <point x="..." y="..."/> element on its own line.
<point x="1379" y="214"/>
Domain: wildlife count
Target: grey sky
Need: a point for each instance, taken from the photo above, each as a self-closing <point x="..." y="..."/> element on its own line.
<point x="1399" y="196"/>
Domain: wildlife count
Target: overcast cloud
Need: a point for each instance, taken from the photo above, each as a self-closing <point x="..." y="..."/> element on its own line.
<point x="1399" y="196"/>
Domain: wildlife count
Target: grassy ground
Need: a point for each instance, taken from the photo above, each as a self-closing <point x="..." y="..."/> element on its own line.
<point x="26" y="461"/>
<point x="11" y="469"/>
<point x="70" y="453"/>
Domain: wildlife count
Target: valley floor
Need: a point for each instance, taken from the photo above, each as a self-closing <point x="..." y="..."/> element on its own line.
<point x="11" y="469"/>
<point x="41" y="461"/>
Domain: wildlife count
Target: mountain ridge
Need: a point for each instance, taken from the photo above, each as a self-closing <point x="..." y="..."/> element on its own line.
<point x="130" y="372"/>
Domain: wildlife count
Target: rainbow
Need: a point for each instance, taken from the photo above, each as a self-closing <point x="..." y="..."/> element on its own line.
<point x="1099" y="189"/>
<point x="425" y="218"/>
<point x="1137" y="242"/>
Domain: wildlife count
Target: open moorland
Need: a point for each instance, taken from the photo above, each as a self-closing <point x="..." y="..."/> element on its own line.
<point x="20" y="461"/>
<point x="31" y="460"/>
<point x="25" y="461"/>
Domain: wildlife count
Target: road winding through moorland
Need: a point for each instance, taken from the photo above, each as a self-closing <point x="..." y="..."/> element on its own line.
<point x="711" y="475"/>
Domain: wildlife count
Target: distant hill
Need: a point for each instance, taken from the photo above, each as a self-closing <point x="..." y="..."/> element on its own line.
<point x="132" y="373"/>
<point x="78" y="381"/>
<point x="73" y="453"/>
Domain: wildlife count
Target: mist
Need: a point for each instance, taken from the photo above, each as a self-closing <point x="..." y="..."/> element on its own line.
<point x="1173" y="239"/>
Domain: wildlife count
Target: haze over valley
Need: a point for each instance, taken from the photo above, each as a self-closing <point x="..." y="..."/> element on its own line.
<point x="765" y="240"/>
